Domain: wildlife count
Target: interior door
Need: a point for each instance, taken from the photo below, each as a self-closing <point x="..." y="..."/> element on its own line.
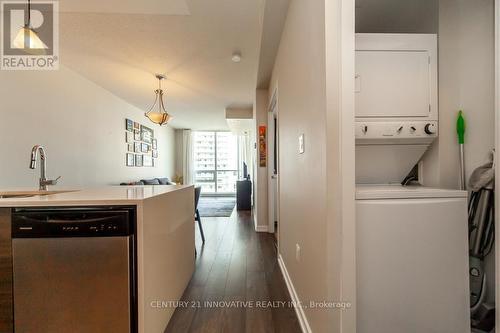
<point x="273" y="176"/>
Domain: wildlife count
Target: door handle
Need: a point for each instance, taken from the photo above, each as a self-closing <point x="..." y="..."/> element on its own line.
<point x="69" y="221"/>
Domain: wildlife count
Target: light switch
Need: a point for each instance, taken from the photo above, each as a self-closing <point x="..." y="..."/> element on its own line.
<point x="301" y="144"/>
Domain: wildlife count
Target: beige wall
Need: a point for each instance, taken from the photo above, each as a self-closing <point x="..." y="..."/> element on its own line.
<point x="81" y="125"/>
<point x="260" y="178"/>
<point x="316" y="200"/>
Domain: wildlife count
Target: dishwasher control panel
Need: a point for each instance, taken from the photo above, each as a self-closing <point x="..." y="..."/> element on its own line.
<point x="30" y="223"/>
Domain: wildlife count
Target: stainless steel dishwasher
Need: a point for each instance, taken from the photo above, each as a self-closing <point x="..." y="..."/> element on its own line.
<point x="74" y="269"/>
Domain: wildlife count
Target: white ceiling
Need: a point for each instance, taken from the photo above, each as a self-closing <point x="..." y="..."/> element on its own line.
<point x="275" y="12"/>
<point x="121" y="53"/>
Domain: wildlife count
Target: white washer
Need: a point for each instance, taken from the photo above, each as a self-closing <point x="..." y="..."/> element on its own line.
<point x="412" y="260"/>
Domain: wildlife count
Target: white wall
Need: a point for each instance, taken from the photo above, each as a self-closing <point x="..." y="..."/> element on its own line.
<point x="497" y="142"/>
<point x="81" y="125"/>
<point x="179" y="147"/>
<point x="467" y="81"/>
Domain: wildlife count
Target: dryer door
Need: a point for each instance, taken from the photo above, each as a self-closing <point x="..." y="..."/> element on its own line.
<point x="392" y="84"/>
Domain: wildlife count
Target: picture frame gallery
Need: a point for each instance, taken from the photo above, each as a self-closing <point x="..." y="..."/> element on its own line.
<point x="142" y="146"/>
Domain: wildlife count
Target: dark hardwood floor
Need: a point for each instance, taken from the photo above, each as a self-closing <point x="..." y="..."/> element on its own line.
<point x="235" y="264"/>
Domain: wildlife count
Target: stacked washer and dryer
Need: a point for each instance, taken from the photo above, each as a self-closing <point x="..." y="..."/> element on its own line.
<point x="412" y="246"/>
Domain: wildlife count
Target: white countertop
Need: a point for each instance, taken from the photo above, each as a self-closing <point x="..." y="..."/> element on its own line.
<point x="108" y="195"/>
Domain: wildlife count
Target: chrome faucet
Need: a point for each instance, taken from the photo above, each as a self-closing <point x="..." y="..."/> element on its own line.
<point x="43" y="176"/>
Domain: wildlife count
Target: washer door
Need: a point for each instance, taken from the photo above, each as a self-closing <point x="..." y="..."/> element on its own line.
<point x="412" y="266"/>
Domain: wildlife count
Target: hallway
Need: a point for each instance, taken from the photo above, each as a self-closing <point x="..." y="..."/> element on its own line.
<point x="236" y="264"/>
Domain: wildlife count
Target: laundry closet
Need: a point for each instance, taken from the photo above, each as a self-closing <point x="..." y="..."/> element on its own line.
<point x="424" y="211"/>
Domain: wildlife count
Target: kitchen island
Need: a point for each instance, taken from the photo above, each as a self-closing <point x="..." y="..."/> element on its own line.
<point x="163" y="236"/>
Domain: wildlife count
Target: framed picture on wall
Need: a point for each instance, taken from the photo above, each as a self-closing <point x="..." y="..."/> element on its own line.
<point x="137" y="135"/>
<point x="129" y="125"/>
<point x="137" y="147"/>
<point x="138" y="160"/>
<point x="155" y="144"/>
<point x="129" y="137"/>
<point x="155" y="153"/>
<point x="137" y="126"/>
<point x="147" y="134"/>
<point x="262" y="146"/>
<point x="147" y="160"/>
<point x="130" y="160"/>
<point x="130" y="147"/>
<point x="144" y="148"/>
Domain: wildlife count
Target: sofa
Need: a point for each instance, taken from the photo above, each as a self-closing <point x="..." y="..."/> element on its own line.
<point x="152" y="181"/>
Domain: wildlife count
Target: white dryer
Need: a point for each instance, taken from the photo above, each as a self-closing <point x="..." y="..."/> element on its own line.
<point x="396" y="104"/>
<point x="412" y="260"/>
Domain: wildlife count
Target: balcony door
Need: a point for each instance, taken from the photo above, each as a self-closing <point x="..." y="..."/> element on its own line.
<point x="216" y="162"/>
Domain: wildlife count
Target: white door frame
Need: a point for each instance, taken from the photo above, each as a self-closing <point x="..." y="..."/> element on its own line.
<point x="341" y="208"/>
<point x="272" y="179"/>
<point x="497" y="167"/>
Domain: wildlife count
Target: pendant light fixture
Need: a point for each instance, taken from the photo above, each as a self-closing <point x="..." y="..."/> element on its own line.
<point x="27" y="38"/>
<point x="157" y="113"/>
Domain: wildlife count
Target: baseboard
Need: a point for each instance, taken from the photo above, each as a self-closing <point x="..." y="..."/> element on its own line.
<point x="304" y="324"/>
<point x="260" y="228"/>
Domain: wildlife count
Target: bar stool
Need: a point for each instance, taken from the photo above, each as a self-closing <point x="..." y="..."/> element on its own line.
<point x="197" y="192"/>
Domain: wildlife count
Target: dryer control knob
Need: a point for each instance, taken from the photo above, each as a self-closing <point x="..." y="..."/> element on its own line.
<point x="430" y="129"/>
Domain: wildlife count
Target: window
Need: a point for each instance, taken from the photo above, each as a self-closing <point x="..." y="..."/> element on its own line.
<point x="216" y="162"/>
